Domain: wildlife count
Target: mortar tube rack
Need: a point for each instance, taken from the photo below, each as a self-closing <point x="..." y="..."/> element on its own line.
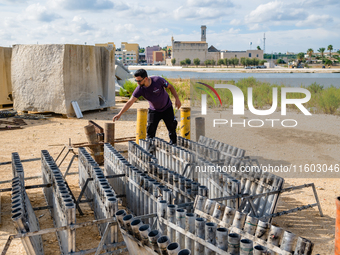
<point x="112" y="221"/>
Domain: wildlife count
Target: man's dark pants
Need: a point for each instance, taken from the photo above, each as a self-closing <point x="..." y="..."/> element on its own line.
<point x="168" y="117"/>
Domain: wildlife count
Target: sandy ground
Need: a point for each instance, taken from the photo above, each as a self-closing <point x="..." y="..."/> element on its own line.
<point x="315" y="140"/>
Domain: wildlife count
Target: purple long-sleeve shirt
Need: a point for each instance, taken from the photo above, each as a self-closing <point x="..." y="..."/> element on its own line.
<point x="156" y="95"/>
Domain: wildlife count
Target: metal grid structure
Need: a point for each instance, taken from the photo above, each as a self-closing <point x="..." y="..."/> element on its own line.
<point x="248" y="199"/>
<point x="238" y="211"/>
<point x="62" y="205"/>
<point x="203" y="164"/>
<point x="58" y="196"/>
<point x="99" y="193"/>
<point x="207" y="233"/>
<point x="23" y="215"/>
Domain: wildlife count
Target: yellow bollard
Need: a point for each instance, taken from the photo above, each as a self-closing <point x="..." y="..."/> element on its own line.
<point x="185" y="122"/>
<point x="142" y="116"/>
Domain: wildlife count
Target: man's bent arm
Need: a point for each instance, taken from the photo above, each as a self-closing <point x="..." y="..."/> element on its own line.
<point x="125" y="108"/>
<point x="174" y="93"/>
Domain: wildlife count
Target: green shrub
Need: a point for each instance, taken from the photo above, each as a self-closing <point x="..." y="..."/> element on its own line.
<point x="315" y="88"/>
<point x="182" y="88"/>
<point x="197" y="61"/>
<point x="188" y="61"/>
<point x="128" y="88"/>
<point x="329" y="100"/>
<point x="207" y="62"/>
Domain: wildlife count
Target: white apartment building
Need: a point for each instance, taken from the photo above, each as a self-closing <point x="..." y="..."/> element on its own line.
<point x="126" y="57"/>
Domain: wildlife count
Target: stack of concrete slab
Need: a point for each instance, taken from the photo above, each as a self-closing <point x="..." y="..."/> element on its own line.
<point x="5" y="76"/>
<point x="122" y="74"/>
<point x="47" y="78"/>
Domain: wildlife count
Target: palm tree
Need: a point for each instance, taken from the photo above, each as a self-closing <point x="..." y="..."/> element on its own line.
<point x="300" y="56"/>
<point x="310" y="52"/>
<point x="258" y="48"/>
<point x="321" y="50"/>
<point x="330" y="48"/>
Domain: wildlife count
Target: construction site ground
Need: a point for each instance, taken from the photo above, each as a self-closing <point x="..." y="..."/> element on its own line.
<point x="315" y="139"/>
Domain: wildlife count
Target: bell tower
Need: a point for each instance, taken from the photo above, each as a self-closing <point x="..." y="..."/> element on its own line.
<point x="203" y="33"/>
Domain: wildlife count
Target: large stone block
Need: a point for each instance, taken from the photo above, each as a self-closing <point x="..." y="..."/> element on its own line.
<point x="122" y="73"/>
<point x="46" y="78"/>
<point x="5" y="76"/>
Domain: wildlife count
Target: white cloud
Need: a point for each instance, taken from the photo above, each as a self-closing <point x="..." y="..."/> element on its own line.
<point x="79" y="24"/>
<point x="234" y="31"/>
<point x="13" y="1"/>
<point x="318" y="3"/>
<point x="6" y="35"/>
<point x="235" y="22"/>
<point x="84" y="4"/>
<point x="200" y="13"/>
<point x="125" y="28"/>
<point x="120" y="6"/>
<point x="10" y="22"/>
<point x="255" y="26"/>
<point x="315" y="21"/>
<point x="40" y="13"/>
<point x="162" y="31"/>
<point x="274" y="11"/>
<point x="210" y="3"/>
<point x="288" y="24"/>
<point x="144" y="10"/>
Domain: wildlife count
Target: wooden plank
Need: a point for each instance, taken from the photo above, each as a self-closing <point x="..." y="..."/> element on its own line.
<point x="98" y="128"/>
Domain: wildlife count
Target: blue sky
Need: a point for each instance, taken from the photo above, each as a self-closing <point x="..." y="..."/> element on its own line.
<point x="289" y="25"/>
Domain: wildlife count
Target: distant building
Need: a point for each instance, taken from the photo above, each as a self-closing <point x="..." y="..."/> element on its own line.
<point x="127" y="57"/>
<point x="128" y="53"/>
<point x="159" y="57"/>
<point x="213" y="53"/>
<point x="203" y="33"/>
<point x="108" y="45"/>
<point x="199" y="49"/>
<point x="142" y="58"/>
<point x="149" y="53"/>
<point x="190" y="49"/>
<point x="242" y="54"/>
<point x="168" y="51"/>
<point x="131" y="47"/>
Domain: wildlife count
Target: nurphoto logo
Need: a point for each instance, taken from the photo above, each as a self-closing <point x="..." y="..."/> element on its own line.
<point x="238" y="105"/>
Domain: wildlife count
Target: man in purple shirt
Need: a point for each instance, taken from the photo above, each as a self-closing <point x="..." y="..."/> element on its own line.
<point x="160" y="105"/>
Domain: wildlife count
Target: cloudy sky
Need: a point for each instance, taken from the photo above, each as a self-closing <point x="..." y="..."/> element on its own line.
<point x="289" y="25"/>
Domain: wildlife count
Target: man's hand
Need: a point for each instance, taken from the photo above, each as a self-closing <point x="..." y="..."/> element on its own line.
<point x="178" y="103"/>
<point x="116" y="117"/>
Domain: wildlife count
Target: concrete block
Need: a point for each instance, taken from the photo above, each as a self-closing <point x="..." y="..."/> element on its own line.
<point x="120" y="83"/>
<point x="46" y="78"/>
<point x="120" y="63"/>
<point x="122" y="73"/>
<point x="5" y="76"/>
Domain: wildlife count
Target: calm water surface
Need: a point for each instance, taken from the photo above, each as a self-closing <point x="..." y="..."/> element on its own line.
<point x="287" y="79"/>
